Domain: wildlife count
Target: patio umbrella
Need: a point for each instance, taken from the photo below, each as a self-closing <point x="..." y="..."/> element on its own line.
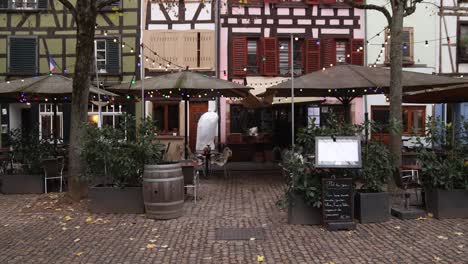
<point x="353" y="80"/>
<point x="451" y="94"/>
<point x="45" y="85"/>
<point x="185" y="85"/>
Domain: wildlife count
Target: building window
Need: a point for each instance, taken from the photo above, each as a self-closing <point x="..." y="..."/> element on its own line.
<point x="408" y="46"/>
<point x="284" y="57"/>
<point x="46" y="124"/>
<point x="285" y="54"/>
<point x="166" y="117"/>
<point x="111" y="115"/>
<point x="413" y="119"/>
<point x="341" y="51"/>
<point x="22" y="56"/>
<point x="252" y="56"/>
<point x="463" y="43"/>
<point x="108" y="55"/>
<point x="23" y="4"/>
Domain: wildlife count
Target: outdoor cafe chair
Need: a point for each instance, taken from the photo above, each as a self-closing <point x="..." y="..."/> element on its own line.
<point x="53" y="169"/>
<point x="222" y="160"/>
<point x="408" y="179"/>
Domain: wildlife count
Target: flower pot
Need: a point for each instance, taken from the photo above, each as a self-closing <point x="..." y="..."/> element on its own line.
<point x="299" y="213"/>
<point x="111" y="200"/>
<point x="372" y="207"/>
<point x="23" y="184"/>
<point x="447" y="203"/>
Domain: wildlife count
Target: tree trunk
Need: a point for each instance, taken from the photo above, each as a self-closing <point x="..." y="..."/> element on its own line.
<point x="396" y="65"/>
<point x="86" y="12"/>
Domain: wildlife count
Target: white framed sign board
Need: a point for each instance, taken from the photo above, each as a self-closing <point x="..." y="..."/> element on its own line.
<point x="338" y="152"/>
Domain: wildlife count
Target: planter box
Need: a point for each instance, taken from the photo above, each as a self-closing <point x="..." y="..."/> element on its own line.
<point x="447" y="204"/>
<point x="299" y="213"/>
<point x="372" y="207"/>
<point x="112" y="200"/>
<point x="23" y="184"/>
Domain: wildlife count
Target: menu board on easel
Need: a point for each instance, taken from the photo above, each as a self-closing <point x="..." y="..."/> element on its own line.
<point x="337" y="203"/>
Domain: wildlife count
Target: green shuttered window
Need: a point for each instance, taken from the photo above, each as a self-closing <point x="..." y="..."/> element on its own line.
<point x="112" y="56"/>
<point x="22" y="56"/>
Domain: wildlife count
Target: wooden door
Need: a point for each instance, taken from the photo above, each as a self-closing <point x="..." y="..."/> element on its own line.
<point x="196" y="110"/>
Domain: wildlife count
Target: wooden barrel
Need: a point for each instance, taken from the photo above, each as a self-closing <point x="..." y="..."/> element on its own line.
<point x="163" y="191"/>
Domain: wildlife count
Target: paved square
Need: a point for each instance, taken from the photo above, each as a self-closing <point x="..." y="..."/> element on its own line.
<point x="47" y="229"/>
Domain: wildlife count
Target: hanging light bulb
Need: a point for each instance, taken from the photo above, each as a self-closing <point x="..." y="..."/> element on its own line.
<point x="427" y="43"/>
<point x="115" y="40"/>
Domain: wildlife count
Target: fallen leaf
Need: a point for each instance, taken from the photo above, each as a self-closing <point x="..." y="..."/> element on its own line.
<point x="460" y="246"/>
<point x="458" y="233"/>
<point x="252" y="238"/>
<point x="330" y="262"/>
<point x="397" y="227"/>
<point x="442" y="237"/>
<point x="150" y="246"/>
<point x="6" y="225"/>
<point x="260" y="258"/>
<point x="152" y="240"/>
<point x="154" y="229"/>
<point x="430" y="215"/>
<point x="49" y="238"/>
<point x="421" y="218"/>
<point x="58" y="209"/>
<point x="436" y="259"/>
<point x="76" y="240"/>
<point x="88" y="219"/>
<point x="131" y="239"/>
<point x="64" y="228"/>
<point x="77" y="227"/>
<point x="79" y="253"/>
<point x="164" y="246"/>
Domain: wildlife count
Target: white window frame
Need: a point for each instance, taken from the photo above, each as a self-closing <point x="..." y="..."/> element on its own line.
<point x="105" y="55"/>
<point x="13" y="4"/>
<point x="50" y="114"/>
<point x="108" y="110"/>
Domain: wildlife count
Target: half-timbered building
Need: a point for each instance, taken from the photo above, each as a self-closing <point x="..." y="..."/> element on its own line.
<point x="256" y="50"/>
<point x="37" y="37"/>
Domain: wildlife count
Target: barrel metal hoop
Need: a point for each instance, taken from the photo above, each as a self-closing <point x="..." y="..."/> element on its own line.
<point x="165" y="204"/>
<point x="163" y="180"/>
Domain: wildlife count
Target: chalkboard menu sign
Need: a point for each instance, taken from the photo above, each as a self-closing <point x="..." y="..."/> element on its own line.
<point x="337" y="195"/>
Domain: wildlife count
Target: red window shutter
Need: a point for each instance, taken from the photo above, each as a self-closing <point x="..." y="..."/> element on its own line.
<point x="359" y="1"/>
<point x="328" y="2"/>
<point x="270" y="56"/>
<point x="271" y="1"/>
<point x="312" y="2"/>
<point x="312" y="55"/>
<point x="328" y="47"/>
<point x="357" y="52"/>
<point x="239" y="55"/>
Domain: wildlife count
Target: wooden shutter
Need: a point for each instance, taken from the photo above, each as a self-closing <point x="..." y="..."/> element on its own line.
<point x="3" y="3"/>
<point x="357" y="51"/>
<point x="328" y="48"/>
<point x="239" y="55"/>
<point x="271" y="1"/>
<point x="328" y="2"/>
<point x="207" y="49"/>
<point x="312" y="2"/>
<point x="408" y="40"/>
<point x="23" y="56"/>
<point x="42" y="4"/>
<point x="269" y="47"/>
<point x="312" y="55"/>
<point x="112" y="56"/>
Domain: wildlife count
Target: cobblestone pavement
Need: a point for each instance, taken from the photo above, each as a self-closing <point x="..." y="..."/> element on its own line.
<point x="47" y="229"/>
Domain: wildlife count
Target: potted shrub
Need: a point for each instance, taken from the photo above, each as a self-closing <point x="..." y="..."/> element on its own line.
<point x="372" y="203"/>
<point x="29" y="151"/>
<point x="114" y="160"/>
<point x="445" y="172"/>
<point x="303" y="195"/>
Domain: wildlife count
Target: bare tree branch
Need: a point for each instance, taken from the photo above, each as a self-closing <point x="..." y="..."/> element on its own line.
<point x="410" y="9"/>
<point x="381" y="9"/>
<point x="104" y="3"/>
<point x="68" y="5"/>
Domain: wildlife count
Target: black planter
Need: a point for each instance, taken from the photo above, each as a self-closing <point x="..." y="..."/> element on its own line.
<point x="23" y="184"/>
<point x="372" y="207"/>
<point x="299" y="213"/>
<point x="447" y="204"/>
<point x="111" y="200"/>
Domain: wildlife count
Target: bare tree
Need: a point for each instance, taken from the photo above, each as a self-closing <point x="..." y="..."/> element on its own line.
<point x="395" y="16"/>
<point x="84" y="13"/>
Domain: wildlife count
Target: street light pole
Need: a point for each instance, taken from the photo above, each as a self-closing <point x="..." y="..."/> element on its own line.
<point x="292" y="90"/>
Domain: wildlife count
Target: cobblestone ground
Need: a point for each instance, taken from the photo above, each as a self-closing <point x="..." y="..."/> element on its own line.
<point x="47" y="229"/>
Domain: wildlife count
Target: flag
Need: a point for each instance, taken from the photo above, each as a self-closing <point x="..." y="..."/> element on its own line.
<point x="52" y="65"/>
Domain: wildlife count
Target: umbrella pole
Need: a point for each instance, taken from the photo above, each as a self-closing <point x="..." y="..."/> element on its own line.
<point x="186" y="128"/>
<point x="55" y="126"/>
<point x="292" y="91"/>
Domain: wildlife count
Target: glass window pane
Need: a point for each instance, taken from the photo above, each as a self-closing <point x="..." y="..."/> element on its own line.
<point x="93" y="119"/>
<point x="108" y="120"/>
<point x="101" y="44"/>
<point x="252" y="59"/>
<point x="173" y="115"/>
<point x="463" y="43"/>
<point x="380" y="117"/>
<point x="59" y="126"/>
<point x="298" y="57"/>
<point x="46" y="124"/>
<point x="284" y="57"/>
<point x="158" y="117"/>
<point x="340" y="52"/>
<point x="405" y="119"/>
<point x="417" y="121"/>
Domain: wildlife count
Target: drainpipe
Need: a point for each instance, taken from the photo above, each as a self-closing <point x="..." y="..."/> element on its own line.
<point x="217" y="37"/>
<point x="366" y="113"/>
